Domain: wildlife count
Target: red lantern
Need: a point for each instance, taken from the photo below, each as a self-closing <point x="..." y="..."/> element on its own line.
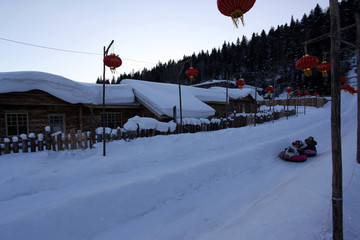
<point x="112" y="61"/>
<point x="306" y="93"/>
<point x="191" y="73"/>
<point x="324" y="67"/>
<point x="299" y="93"/>
<point x="235" y="9"/>
<point x="240" y="83"/>
<point x="269" y="89"/>
<point x="288" y="90"/>
<point x="316" y="94"/>
<point x="342" y="79"/>
<point x="306" y="63"/>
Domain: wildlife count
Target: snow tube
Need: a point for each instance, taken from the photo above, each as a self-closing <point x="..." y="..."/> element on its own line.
<point x="309" y="152"/>
<point x="299" y="158"/>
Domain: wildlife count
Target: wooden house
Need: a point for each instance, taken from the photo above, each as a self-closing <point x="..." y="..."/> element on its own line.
<point x="30" y="101"/>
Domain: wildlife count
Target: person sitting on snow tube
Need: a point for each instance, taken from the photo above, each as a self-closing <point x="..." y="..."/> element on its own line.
<point x="310" y="149"/>
<point x="290" y="152"/>
<point x="299" y="145"/>
<point x="310" y="143"/>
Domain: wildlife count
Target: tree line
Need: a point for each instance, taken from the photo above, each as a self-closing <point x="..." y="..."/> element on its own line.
<point x="266" y="58"/>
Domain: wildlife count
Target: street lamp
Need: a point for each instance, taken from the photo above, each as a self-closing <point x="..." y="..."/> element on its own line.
<point x="103" y="107"/>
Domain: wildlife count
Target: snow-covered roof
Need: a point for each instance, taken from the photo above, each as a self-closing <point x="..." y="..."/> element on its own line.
<point x="162" y="97"/>
<point x="64" y="88"/>
<point x="237" y="94"/>
<point x="159" y="97"/>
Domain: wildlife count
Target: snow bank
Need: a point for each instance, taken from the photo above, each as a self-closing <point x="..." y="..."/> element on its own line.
<point x="145" y="123"/>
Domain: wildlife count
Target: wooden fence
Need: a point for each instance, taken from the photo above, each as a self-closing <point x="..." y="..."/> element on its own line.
<point x="307" y="101"/>
<point x="83" y="140"/>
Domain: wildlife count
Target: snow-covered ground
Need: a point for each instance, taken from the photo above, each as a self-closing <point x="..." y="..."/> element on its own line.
<point x="227" y="184"/>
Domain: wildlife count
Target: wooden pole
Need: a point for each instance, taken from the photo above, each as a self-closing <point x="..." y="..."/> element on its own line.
<point x="357" y="22"/>
<point x="103" y="105"/>
<point x="180" y="100"/>
<point x="337" y="196"/>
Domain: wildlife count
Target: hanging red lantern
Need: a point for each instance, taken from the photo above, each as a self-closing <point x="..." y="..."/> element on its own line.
<point x="191" y="73"/>
<point x="299" y="93"/>
<point x="112" y="61"/>
<point x="316" y="94"/>
<point x="324" y="67"/>
<point x="306" y="93"/>
<point x="306" y="63"/>
<point x="269" y="89"/>
<point x="342" y="79"/>
<point x="235" y="9"/>
<point x="240" y="83"/>
<point x="288" y="90"/>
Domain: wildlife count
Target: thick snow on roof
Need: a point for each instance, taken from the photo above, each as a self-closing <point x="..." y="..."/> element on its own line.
<point x="235" y="93"/>
<point x="64" y="88"/>
<point x="162" y="97"/>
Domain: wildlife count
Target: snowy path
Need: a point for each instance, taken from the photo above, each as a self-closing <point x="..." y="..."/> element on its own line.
<point x="228" y="184"/>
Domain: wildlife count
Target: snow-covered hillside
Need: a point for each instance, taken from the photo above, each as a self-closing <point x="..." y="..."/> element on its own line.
<point x="227" y="184"/>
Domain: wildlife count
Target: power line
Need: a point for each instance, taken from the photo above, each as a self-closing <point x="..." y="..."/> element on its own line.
<point x="66" y="50"/>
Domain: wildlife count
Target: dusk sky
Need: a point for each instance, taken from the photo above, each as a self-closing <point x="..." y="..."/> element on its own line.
<point x="144" y="32"/>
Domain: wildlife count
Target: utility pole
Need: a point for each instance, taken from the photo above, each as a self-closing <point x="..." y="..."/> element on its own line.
<point x="103" y="106"/>
<point x="357" y="26"/>
<point x="337" y="194"/>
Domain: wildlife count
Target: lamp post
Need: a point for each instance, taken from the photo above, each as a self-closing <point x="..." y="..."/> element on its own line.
<point x="103" y="106"/>
<point x="180" y="102"/>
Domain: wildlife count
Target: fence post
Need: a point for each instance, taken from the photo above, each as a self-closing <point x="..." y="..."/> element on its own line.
<point x="91" y="140"/>
<point x="85" y="140"/>
<point x="32" y="144"/>
<point x="72" y="139"/>
<point x="15" y="146"/>
<point x="53" y="140"/>
<point x="24" y="145"/>
<point x="6" y="146"/>
<point x="48" y="140"/>
<point x="79" y="139"/>
<point x="59" y="142"/>
<point x="66" y="141"/>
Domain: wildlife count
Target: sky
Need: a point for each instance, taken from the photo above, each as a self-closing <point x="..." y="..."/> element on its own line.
<point x="144" y="32"/>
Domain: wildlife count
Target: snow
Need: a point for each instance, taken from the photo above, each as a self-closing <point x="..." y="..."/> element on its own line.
<point x="227" y="184"/>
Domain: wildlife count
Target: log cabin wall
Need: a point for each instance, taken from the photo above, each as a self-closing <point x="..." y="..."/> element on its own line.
<point x="39" y="106"/>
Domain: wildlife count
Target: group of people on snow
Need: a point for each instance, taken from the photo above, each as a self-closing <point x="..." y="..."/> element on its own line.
<point x="297" y="147"/>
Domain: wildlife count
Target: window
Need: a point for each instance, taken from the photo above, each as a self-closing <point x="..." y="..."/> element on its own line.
<point x="57" y="123"/>
<point x="16" y="124"/>
<point x="111" y="120"/>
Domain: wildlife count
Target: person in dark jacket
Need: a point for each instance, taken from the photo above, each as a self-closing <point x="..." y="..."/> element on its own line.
<point x="310" y="143"/>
